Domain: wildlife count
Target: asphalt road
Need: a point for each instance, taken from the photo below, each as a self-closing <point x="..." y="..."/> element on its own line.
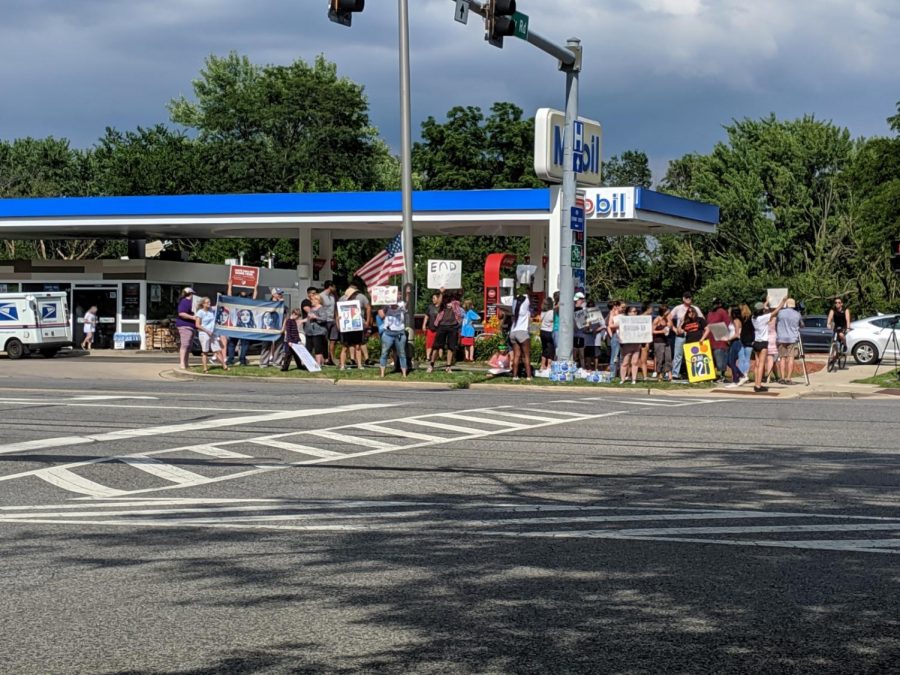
<point x="254" y="527"/>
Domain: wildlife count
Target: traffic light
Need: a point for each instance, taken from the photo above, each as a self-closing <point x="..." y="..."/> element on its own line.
<point x="341" y="11"/>
<point x="498" y="19"/>
<point x="895" y="255"/>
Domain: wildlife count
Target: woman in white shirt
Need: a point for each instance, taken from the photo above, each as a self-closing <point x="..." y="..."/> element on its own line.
<point x="761" y="319"/>
<point x="89" y="327"/>
<point x="210" y="343"/>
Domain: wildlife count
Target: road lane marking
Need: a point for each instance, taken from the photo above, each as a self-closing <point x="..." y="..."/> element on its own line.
<point x="498" y="423"/>
<point x="403" y="433"/>
<point x="217" y="452"/>
<point x="169" y="472"/>
<point x="72" y="482"/>
<point x="416" y="518"/>
<point x="295" y="447"/>
<point x="189" y="427"/>
<point x="352" y="440"/>
<point x="465" y="431"/>
<point x="542" y="418"/>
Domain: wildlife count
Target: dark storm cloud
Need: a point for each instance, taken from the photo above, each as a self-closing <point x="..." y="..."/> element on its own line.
<point x="661" y="75"/>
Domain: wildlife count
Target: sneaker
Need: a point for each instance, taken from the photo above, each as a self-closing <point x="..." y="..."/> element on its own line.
<point x="516" y="379"/>
<point x="760" y="390"/>
<point x="744" y="380"/>
<point x="732" y="385"/>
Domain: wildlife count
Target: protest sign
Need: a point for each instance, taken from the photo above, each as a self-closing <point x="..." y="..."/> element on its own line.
<point x="445" y="274"/>
<point x="384" y="295"/>
<point x="776" y="295"/>
<point x="719" y="331"/>
<point x="699" y="360"/>
<point x="635" y="329"/>
<point x="238" y="317"/>
<point x="580" y="317"/>
<point x="593" y="317"/>
<point x="243" y="276"/>
<point x="306" y="358"/>
<point x="350" y="317"/>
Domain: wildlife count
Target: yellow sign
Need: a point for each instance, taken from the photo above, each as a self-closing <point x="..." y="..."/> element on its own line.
<point x="699" y="360"/>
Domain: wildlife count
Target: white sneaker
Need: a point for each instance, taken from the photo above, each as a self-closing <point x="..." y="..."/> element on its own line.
<point x="744" y="380"/>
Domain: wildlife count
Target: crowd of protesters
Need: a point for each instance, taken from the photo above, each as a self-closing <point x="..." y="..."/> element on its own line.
<point x="758" y="344"/>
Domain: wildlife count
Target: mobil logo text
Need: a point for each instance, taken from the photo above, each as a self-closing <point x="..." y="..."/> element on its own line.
<point x="549" y="147"/>
<point x="609" y="203"/>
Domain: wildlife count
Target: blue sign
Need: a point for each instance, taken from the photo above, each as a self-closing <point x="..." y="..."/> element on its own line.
<point x="8" y="312"/>
<point x="577" y="219"/>
<point x="48" y="311"/>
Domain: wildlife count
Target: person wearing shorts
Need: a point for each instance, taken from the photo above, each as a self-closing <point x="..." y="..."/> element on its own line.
<point x="186" y="323"/>
<point x="90" y="327"/>
<point x="448" y="320"/>
<point x="210" y="343"/>
<point x="431" y="312"/>
<point x="467" y="332"/>
<point x="519" y="335"/>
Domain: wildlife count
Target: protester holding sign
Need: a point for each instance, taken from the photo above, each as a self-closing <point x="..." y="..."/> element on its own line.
<point x="352" y="323"/>
<point x="720" y="347"/>
<point x="272" y="351"/>
<point x="394" y="334"/>
<point x="520" y="335"/>
<point x="315" y="327"/>
<point x="662" y="353"/>
<point x="676" y="318"/>
<point x="631" y="352"/>
<point x="448" y="321"/>
<point x="761" y="319"/>
<point x="210" y="343"/>
<point x="291" y="333"/>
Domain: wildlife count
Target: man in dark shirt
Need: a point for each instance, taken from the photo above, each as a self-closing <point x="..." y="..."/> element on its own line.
<point x="719" y="347"/>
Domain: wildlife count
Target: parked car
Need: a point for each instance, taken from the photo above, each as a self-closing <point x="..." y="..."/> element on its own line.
<point x="816" y="334"/>
<point x="870" y="340"/>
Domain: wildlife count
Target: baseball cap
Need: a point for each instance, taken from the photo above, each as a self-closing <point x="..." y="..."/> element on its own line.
<point x="759" y="306"/>
<point x="188" y="290"/>
<point x="579" y="295"/>
<point x="504" y="348"/>
<point x="278" y="291"/>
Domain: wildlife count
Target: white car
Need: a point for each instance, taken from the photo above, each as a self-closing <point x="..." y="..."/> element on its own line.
<point x="872" y="339"/>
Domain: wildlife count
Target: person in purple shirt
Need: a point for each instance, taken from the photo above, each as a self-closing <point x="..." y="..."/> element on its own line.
<point x="186" y="323"/>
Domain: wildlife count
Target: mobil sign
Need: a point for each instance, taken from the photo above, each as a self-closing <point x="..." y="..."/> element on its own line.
<point x="607" y="203"/>
<point x="549" y="127"/>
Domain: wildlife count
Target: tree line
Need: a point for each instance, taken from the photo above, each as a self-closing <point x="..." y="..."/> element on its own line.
<point x="803" y="203"/>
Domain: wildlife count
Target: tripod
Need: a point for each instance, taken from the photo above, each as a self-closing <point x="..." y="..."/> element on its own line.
<point x="893" y="345"/>
<point x="803" y="360"/>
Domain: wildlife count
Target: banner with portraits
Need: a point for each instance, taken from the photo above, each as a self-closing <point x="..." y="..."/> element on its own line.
<point x="238" y="317"/>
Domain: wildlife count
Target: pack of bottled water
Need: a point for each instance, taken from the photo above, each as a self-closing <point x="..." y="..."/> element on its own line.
<point x="563" y="371"/>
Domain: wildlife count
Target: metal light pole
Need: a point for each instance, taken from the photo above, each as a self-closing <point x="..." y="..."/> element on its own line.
<point x="566" y="281"/>
<point x="406" y="154"/>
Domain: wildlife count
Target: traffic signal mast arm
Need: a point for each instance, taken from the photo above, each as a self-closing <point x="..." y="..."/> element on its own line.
<point x="568" y="59"/>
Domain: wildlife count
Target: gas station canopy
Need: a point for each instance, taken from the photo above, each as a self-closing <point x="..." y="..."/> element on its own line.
<point x="349" y="215"/>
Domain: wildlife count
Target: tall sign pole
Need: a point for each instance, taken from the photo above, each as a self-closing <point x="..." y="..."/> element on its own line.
<point x="566" y="281"/>
<point x="406" y="156"/>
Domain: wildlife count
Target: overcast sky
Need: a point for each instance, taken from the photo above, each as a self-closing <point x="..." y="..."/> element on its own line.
<point x="662" y="76"/>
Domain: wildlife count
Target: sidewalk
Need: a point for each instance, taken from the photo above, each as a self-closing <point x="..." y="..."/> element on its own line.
<point x="137" y="365"/>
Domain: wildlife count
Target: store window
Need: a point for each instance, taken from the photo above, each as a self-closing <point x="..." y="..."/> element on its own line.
<point x="162" y="301"/>
<point x="131" y="302"/>
<point x="9" y="288"/>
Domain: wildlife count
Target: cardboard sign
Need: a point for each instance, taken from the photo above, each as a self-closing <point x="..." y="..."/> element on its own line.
<point x="719" y="331"/>
<point x="306" y="358"/>
<point x="350" y="317"/>
<point x="594" y="317"/>
<point x="699" y="360"/>
<point x="776" y="295"/>
<point x="635" y="329"/>
<point x="445" y="274"/>
<point x="384" y="295"/>
<point x="243" y="276"/>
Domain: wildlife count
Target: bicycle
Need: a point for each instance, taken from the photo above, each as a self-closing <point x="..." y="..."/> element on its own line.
<point x="837" y="353"/>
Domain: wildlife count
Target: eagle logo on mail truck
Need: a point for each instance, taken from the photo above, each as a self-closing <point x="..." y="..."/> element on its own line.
<point x="48" y="311"/>
<point x="8" y="312"/>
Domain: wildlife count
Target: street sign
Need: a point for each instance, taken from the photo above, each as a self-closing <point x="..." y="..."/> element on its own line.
<point x="577" y="219"/>
<point x="577" y="255"/>
<point x="462" y="11"/>
<point x="520" y="22"/>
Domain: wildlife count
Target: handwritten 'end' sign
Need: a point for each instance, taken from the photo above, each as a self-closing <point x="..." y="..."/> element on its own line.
<point x="445" y="274"/>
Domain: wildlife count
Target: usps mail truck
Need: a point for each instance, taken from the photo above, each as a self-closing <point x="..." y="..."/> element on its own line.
<point x="34" y="322"/>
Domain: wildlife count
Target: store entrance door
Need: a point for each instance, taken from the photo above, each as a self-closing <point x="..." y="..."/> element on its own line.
<point x="106" y="300"/>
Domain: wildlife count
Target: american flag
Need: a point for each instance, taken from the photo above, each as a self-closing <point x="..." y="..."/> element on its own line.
<point x="383" y="266"/>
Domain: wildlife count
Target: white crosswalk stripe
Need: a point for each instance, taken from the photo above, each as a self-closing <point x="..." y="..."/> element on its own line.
<point x="295" y="447"/>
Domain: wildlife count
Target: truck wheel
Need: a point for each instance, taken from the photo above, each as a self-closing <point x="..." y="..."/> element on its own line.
<point x="49" y="353"/>
<point x="14" y="349"/>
